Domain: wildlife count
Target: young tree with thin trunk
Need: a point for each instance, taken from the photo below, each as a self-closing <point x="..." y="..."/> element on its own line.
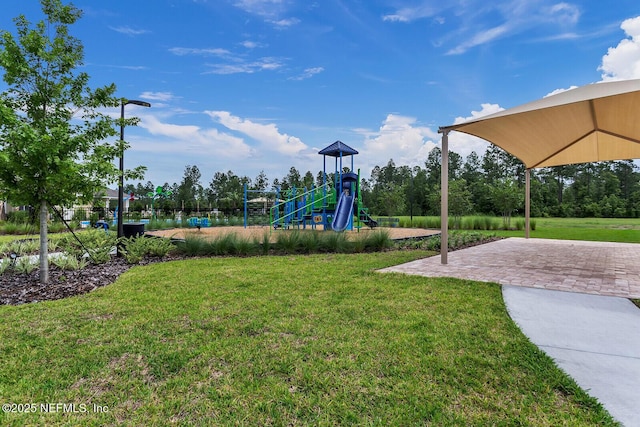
<point x="52" y="132"/>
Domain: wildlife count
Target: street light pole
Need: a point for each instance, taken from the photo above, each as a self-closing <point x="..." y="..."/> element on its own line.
<point x="124" y="102"/>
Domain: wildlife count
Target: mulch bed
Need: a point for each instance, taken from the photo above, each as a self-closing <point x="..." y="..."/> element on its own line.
<point x="20" y="288"/>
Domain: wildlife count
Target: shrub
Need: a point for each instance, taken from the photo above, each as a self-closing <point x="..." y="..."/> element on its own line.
<point x="95" y="243"/>
<point x="288" y="242"/>
<point x="56" y="227"/>
<point x="309" y="242"/>
<point x="25" y="265"/>
<point x="263" y="244"/>
<point x="69" y="263"/>
<point x="192" y="246"/>
<point x="133" y="249"/>
<point x="159" y="247"/>
<point x="18" y="217"/>
<point x="378" y="241"/>
<point x="224" y="245"/>
<point x="5" y="264"/>
<point x="20" y="247"/>
<point x="244" y="247"/>
<point x="334" y="242"/>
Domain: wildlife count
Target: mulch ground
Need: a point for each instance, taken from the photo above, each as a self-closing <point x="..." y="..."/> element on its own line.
<point x="20" y="288"/>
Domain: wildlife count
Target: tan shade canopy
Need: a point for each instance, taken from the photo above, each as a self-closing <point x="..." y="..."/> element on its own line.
<point x="591" y="123"/>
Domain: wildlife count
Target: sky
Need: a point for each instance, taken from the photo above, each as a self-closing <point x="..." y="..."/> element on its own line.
<point x="263" y="85"/>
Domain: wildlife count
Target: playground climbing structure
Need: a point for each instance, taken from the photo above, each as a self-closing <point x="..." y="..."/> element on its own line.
<point x="334" y="205"/>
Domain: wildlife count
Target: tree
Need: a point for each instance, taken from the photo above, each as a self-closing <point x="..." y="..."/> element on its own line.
<point x="190" y="188"/>
<point x="293" y="179"/>
<point x="307" y="181"/>
<point x="53" y="147"/>
<point x="459" y="200"/>
<point x="261" y="182"/>
<point x="507" y="198"/>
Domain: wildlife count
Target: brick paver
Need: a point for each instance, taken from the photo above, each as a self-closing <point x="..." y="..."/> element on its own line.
<point x="601" y="268"/>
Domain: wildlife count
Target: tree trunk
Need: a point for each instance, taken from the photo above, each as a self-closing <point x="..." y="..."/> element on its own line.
<point x="44" y="243"/>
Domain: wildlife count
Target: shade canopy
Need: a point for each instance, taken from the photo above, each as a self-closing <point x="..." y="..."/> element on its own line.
<point x="338" y="149"/>
<point x="591" y="123"/>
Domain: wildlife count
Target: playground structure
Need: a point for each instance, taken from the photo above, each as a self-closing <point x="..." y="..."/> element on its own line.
<point x="330" y="205"/>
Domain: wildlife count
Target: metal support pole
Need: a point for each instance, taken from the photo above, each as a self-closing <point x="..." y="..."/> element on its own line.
<point x="527" y="202"/>
<point x="444" y="199"/>
<point x="121" y="177"/>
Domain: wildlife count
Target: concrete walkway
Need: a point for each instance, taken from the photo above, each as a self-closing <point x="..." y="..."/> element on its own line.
<point x="570" y="298"/>
<point x="594" y="339"/>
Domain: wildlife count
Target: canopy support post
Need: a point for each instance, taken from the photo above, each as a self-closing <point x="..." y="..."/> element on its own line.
<point x="444" y="199"/>
<point x="527" y="202"/>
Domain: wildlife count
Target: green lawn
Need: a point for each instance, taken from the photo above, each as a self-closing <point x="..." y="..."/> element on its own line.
<point x="287" y="340"/>
<point x="623" y="230"/>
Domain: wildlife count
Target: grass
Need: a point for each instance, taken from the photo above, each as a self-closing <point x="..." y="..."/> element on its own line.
<point x="622" y="230"/>
<point x="287" y="340"/>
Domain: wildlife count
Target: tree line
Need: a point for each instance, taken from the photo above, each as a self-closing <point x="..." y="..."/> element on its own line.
<point x="490" y="184"/>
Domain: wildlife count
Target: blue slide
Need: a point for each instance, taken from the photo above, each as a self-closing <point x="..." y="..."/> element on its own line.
<point x="344" y="211"/>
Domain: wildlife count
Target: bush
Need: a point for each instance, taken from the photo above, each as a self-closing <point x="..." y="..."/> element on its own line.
<point x="288" y="242"/>
<point x="94" y="243"/>
<point x="18" y="217"/>
<point x="25" y="265"/>
<point x="377" y="241"/>
<point x="334" y="242"/>
<point x="69" y="263"/>
<point x="5" y="265"/>
<point x="133" y="249"/>
<point x="192" y="246"/>
<point x="263" y="244"/>
<point x="159" y="247"/>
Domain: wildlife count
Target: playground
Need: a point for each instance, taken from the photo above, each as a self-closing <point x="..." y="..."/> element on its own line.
<point x="335" y="206"/>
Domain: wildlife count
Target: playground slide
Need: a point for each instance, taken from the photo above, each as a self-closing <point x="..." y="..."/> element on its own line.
<point x="364" y="217"/>
<point x="344" y="210"/>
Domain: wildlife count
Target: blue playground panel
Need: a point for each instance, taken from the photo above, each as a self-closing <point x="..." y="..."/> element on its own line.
<point x="195" y="222"/>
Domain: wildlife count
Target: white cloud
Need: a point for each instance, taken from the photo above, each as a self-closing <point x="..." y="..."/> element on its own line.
<point x="468" y="29"/>
<point x="205" y="142"/>
<point x="285" y="23"/>
<point x="308" y="73"/>
<point x="399" y="138"/>
<point x="557" y="91"/>
<point x="408" y="14"/>
<point x="182" y="51"/>
<point x="271" y="10"/>
<point x="261" y="7"/>
<point x="239" y="66"/>
<point x="249" y="44"/>
<point x="623" y="61"/>
<point x="268" y="135"/>
<point x="129" y="31"/>
<point x="480" y="38"/>
<point x="157" y="96"/>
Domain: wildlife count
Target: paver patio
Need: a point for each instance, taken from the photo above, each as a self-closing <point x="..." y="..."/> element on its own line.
<point x="600" y="268"/>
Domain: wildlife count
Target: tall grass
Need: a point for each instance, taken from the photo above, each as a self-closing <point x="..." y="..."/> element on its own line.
<point x="293" y="242"/>
<point x="471" y="222"/>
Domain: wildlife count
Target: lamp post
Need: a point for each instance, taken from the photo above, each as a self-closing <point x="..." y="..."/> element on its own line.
<point x="124" y="102"/>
